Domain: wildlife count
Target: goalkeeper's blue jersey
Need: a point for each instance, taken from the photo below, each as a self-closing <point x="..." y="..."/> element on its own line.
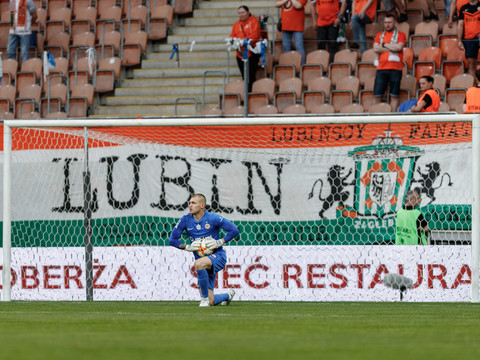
<point x="209" y="225"/>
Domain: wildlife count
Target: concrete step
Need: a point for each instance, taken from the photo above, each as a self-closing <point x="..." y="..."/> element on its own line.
<point x="198" y="46"/>
<point x="186" y="72"/>
<point x="214" y="21"/>
<point x="155" y="100"/>
<point x="209" y="29"/>
<point x="198" y="38"/>
<point x="225" y="12"/>
<point x="169" y="91"/>
<point x="153" y="110"/>
<point x="187" y="63"/>
<point x="234" y="4"/>
<point x="187" y="55"/>
<point x="170" y="82"/>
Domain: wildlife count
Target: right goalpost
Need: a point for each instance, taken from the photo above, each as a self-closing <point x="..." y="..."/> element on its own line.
<point x="88" y="206"/>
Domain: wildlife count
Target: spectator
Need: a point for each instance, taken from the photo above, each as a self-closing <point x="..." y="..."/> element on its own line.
<point x="455" y="7"/>
<point x="429" y="100"/>
<point x="293" y="24"/>
<point x="398" y="7"/>
<point x="432" y="11"/>
<point x="22" y="14"/>
<point x="411" y="228"/>
<point x="473" y="96"/>
<point x="363" y="13"/>
<point x="389" y="46"/>
<point x="247" y="27"/>
<point x="468" y="29"/>
<point x="327" y="16"/>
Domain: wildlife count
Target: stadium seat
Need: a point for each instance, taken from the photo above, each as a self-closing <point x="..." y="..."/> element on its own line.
<point x="341" y="98"/>
<point x="409" y="83"/>
<point x="58" y="44"/>
<point x="228" y="101"/>
<point x="283" y="72"/>
<point x="455" y="96"/>
<point x="440" y="83"/>
<point x="7" y="97"/>
<point x="235" y="87"/>
<point x="432" y="53"/>
<point x="77" y="77"/>
<point x="236" y="110"/>
<point x="323" y="109"/>
<point x="109" y="12"/>
<point x="427" y="28"/>
<point x="28" y="100"/>
<point x="311" y="99"/>
<point x="292" y="84"/>
<point x="315" y="65"/>
<point x="282" y="99"/>
<point x="352" y="109"/>
<point x="267" y="109"/>
<point x="130" y="4"/>
<point x="10" y="66"/>
<point x="338" y="71"/>
<point x="77" y="107"/>
<point x="108" y="71"/>
<point x="161" y="17"/>
<point x="450" y="68"/>
<point x="257" y="100"/>
<point x="265" y="85"/>
<point x="380" y="108"/>
<point x="295" y="109"/>
<point x="446" y="42"/>
<point x="86" y="39"/>
<point x="134" y="47"/>
<point x="50" y="106"/>
<point x="322" y="83"/>
<point x="139" y="12"/>
<point x="291" y="58"/>
<point x="462" y="81"/>
<point x="346" y="56"/>
<point x="405" y="28"/>
<point x="183" y="7"/>
<point x="365" y="98"/>
<point x="460" y="108"/>
<point x="408" y="58"/>
<point x="84" y="20"/>
<point x="54" y="5"/>
<point x="86" y="91"/>
<point x="351" y="83"/>
<point x="443" y="107"/>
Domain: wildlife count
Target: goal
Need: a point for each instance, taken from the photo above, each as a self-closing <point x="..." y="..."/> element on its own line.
<point x="88" y="206"/>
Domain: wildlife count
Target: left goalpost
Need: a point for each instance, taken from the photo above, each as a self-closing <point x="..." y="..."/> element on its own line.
<point x="88" y="206"/>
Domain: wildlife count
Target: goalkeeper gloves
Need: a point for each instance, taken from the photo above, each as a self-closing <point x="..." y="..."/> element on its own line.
<point x="213" y="244"/>
<point x="194" y="246"/>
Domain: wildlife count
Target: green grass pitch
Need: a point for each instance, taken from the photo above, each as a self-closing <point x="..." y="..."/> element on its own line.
<point x="243" y="330"/>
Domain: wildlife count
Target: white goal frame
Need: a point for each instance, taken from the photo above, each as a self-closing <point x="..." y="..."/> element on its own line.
<point x="277" y="120"/>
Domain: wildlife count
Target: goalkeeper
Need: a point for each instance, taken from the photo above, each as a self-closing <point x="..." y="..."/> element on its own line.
<point x="200" y="224"/>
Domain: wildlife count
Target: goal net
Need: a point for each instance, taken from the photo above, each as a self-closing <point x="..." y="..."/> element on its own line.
<point x="88" y="207"/>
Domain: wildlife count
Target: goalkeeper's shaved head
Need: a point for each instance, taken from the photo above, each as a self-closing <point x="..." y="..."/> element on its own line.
<point x="200" y="197"/>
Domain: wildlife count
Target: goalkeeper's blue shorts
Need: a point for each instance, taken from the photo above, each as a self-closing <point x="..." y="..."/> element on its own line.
<point x="219" y="260"/>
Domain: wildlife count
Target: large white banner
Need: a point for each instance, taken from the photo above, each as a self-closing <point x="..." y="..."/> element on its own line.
<point x="261" y="273"/>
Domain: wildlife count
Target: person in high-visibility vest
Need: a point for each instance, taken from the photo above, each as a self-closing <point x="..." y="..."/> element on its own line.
<point x="411" y="228"/>
<point x="473" y="96"/>
<point x="429" y="101"/>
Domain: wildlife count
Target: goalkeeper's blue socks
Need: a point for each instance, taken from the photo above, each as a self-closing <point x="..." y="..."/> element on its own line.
<point x="202" y="276"/>
<point x="220" y="297"/>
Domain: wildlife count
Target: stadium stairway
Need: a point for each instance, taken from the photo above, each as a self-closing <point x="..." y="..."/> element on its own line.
<point x="153" y="89"/>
